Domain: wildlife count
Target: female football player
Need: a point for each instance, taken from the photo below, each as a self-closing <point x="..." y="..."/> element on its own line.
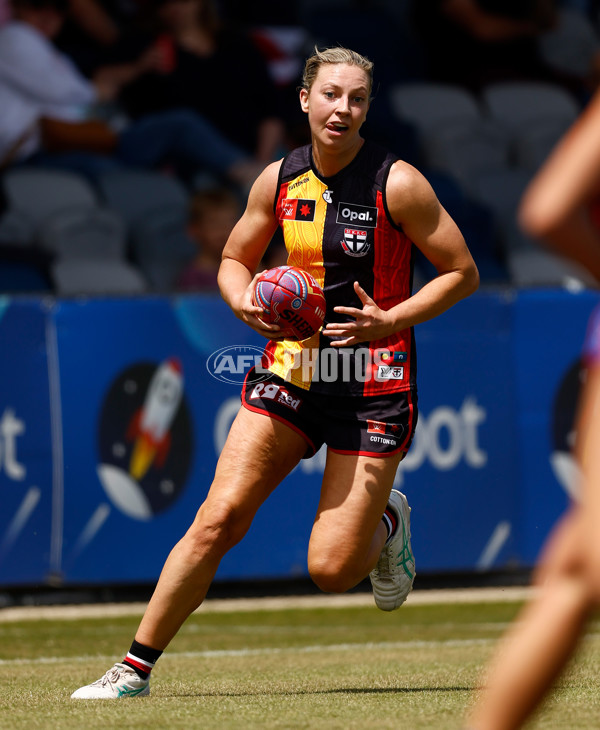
<point x="351" y="214"/>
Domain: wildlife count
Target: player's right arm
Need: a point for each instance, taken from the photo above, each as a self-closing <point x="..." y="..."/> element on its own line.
<point x="555" y="208"/>
<point x="245" y="248"/>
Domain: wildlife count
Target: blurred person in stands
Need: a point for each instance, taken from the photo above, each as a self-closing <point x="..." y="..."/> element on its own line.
<point x="212" y="216"/>
<point x="5" y="11"/>
<point x="96" y="33"/>
<point x="215" y="70"/>
<point x="559" y="208"/>
<point x="476" y="42"/>
<point x="48" y="110"/>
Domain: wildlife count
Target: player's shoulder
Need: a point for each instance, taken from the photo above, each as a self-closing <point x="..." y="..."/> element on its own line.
<point x="402" y="173"/>
<point x="408" y="193"/>
<point x="266" y="183"/>
<point x="407" y="182"/>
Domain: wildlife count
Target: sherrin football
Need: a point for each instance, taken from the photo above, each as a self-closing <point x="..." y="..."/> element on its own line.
<point x="291" y="298"/>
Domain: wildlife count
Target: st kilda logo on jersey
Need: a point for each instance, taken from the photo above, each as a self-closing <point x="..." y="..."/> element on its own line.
<point x="355" y="242"/>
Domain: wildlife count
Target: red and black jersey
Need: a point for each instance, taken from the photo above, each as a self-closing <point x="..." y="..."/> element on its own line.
<point x="339" y="230"/>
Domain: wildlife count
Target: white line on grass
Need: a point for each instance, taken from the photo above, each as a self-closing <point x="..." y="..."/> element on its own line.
<point x="269" y="651"/>
<point x="275" y="603"/>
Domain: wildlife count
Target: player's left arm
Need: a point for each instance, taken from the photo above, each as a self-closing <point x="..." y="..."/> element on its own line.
<point x="414" y="206"/>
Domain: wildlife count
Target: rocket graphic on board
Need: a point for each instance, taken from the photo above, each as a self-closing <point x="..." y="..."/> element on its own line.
<point x="150" y="425"/>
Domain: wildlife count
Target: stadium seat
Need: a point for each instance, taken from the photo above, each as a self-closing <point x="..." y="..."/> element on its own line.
<point x="161" y="246"/>
<point x="16" y="229"/>
<point x="429" y="105"/>
<point x="135" y="193"/>
<point x="536" y="267"/>
<point x="467" y="147"/>
<point x="570" y="47"/>
<point x="521" y="104"/>
<point x="93" y="234"/>
<point x="501" y="191"/>
<point x="532" y="144"/>
<point x="38" y="192"/>
<point x="92" y="277"/>
<point x="477" y="224"/>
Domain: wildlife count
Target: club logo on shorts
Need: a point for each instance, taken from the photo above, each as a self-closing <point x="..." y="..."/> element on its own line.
<point x="355" y="242"/>
<point x="386" y="433"/>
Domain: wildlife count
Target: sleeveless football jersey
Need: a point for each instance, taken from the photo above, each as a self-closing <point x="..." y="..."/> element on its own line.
<point x="340" y="231"/>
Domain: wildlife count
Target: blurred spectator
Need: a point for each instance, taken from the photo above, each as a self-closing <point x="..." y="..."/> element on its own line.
<point x="47" y="111"/>
<point x="217" y="71"/>
<point x="572" y="50"/>
<point x="476" y="42"/>
<point x="213" y="214"/>
<point x="4" y="11"/>
<point x="100" y="32"/>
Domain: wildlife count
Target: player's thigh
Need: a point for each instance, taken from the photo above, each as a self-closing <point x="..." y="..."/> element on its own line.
<point x="258" y="454"/>
<point x="354" y="496"/>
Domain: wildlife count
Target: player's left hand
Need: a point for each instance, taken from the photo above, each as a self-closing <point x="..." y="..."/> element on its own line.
<point x="370" y="322"/>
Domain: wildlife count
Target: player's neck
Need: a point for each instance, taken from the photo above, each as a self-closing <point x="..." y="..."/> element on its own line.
<point x="330" y="162"/>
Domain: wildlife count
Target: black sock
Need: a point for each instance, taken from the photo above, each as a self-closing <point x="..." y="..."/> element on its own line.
<point x="390" y="521"/>
<point x="142" y="659"/>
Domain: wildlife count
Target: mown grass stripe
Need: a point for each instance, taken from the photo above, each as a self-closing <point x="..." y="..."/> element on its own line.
<point x="266" y="651"/>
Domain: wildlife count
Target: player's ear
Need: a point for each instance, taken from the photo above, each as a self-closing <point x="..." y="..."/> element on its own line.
<point x="304" y="100"/>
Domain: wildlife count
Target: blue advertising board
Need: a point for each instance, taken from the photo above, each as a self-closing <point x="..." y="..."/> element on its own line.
<point x="113" y="413"/>
<point x="29" y="538"/>
<point x="118" y="360"/>
<point x="462" y="488"/>
<point x="548" y="336"/>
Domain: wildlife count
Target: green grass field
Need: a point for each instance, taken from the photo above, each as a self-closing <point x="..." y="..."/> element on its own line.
<point x="322" y="667"/>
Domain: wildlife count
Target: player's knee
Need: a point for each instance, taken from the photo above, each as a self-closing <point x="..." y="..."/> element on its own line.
<point x="218" y="527"/>
<point x="330" y="576"/>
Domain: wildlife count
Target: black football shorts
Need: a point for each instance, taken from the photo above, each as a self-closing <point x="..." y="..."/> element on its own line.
<point x="367" y="425"/>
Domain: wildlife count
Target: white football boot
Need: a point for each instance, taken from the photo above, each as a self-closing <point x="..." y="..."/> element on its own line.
<point x="392" y="578"/>
<point x="119" y="681"/>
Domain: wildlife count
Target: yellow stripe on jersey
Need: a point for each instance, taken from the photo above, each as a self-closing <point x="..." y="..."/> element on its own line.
<point x="304" y="244"/>
<point x="304" y="239"/>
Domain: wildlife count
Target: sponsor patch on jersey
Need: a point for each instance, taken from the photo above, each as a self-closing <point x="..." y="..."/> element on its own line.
<point x="355" y="242"/>
<point x="399" y="356"/>
<point x="364" y="216"/>
<point x="298" y="209"/>
<point x="390" y="372"/>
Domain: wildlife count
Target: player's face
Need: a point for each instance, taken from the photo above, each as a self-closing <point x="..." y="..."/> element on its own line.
<point x="337" y="104"/>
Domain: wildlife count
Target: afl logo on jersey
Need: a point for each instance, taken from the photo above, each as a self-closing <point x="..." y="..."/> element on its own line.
<point x="298" y="209"/>
<point x="355" y="242"/>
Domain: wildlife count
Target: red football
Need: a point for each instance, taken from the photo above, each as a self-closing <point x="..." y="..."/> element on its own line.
<point x="291" y="298"/>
